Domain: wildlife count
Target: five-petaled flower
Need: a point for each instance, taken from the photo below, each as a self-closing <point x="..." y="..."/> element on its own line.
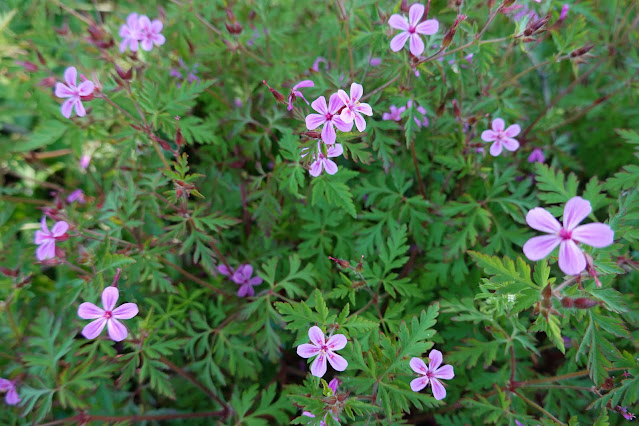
<point x="78" y="196"/>
<point x="150" y="33"/>
<point x="328" y="116"/>
<point x="501" y="138"/>
<point x="295" y="92"/>
<point x="46" y="239"/>
<point x="130" y="33"/>
<point x="243" y="277"/>
<point x="395" y="113"/>
<point x="324" y="351"/>
<point x="9" y="386"/>
<point x="107" y="316"/>
<point x="354" y="108"/>
<point x="411" y="28"/>
<point x="431" y="374"/>
<point x="537" y="156"/>
<point x="571" y="259"/>
<point x="73" y="93"/>
<point x="323" y="161"/>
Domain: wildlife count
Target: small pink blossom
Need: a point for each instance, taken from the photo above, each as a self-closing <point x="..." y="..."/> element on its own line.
<point x="9" y="386"/>
<point x="324" y="351"/>
<point x="375" y="62"/>
<point x="571" y="258"/>
<point x="243" y="277"/>
<point x="295" y="93"/>
<point x="411" y="28"/>
<point x="329" y="117"/>
<point x="319" y="60"/>
<point x="150" y="33"/>
<point x="501" y="138"/>
<point x="395" y="113"/>
<point x="537" y="156"/>
<point x="323" y="161"/>
<point x="564" y="11"/>
<point x="46" y="239"/>
<point x="353" y="107"/>
<point x="334" y="383"/>
<point x="624" y="412"/>
<point x="73" y="93"/>
<point x="431" y="374"/>
<point x="78" y="196"/>
<point x="131" y="33"/>
<point x="423" y="121"/>
<point x="84" y="161"/>
<point x="108" y="316"/>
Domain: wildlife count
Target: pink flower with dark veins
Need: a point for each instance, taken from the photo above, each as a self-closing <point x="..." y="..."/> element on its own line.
<point x="46" y="239"/>
<point x="411" y="29"/>
<point x="325" y="350"/>
<point x="108" y="316"/>
<point x="150" y="33"/>
<point x="353" y="107"/>
<point x="9" y="386"/>
<point x="131" y="33"/>
<point x="431" y="374"/>
<point x="295" y="93"/>
<point x="328" y="117"/>
<point x="571" y="258"/>
<point x="243" y="276"/>
<point x="73" y="93"/>
<point x="501" y="138"/>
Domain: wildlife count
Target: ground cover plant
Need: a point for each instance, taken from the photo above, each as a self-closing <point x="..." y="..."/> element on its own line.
<point x="319" y="212"/>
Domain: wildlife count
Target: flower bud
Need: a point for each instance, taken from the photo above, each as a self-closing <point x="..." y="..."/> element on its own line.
<point x="360" y="266"/>
<point x="456" y="110"/>
<point x="47" y="82"/>
<point x="404" y="6"/>
<point x="277" y="95"/>
<point x="124" y="75"/>
<point x="8" y="272"/>
<point x="582" y="50"/>
<point x="448" y="38"/>
<point x="343" y="263"/>
<point x="585" y="303"/>
<point x="567" y="302"/>
<point x="312" y="134"/>
<point x="536" y="26"/>
<point x="27" y="65"/>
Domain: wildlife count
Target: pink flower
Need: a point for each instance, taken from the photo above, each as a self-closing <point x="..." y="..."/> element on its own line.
<point x="537" y="156"/>
<point x="421" y="110"/>
<point x="324" y="350"/>
<point x="9" y="386"/>
<point x="501" y="138"/>
<point x="564" y="12"/>
<point x="84" y="161"/>
<point x="624" y="412"/>
<point x="107" y="316"/>
<point x="411" y="29"/>
<point x="222" y="269"/>
<point x="328" y="117"/>
<point x="333" y="384"/>
<point x="243" y="277"/>
<point x="571" y="259"/>
<point x="354" y="109"/>
<point x="375" y="62"/>
<point x="295" y="93"/>
<point x="395" y="113"/>
<point x="150" y="33"/>
<point x="323" y="161"/>
<point x="319" y="60"/>
<point x="76" y="195"/>
<point x="431" y="374"/>
<point x="46" y="239"/>
<point x="73" y="92"/>
<point x="131" y="33"/>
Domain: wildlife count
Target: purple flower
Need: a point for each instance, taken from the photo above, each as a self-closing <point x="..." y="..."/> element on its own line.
<point x="222" y="269"/>
<point x="624" y="412"/>
<point x="84" y="161"/>
<point x="395" y="113"/>
<point x="46" y="239"/>
<point x="131" y="33"/>
<point x="375" y="62"/>
<point x="76" y="195"/>
<point x="420" y="110"/>
<point x="328" y="117"/>
<point x="107" y="316"/>
<point x="537" y="156"/>
<point x="354" y="109"/>
<point x="431" y="374"/>
<point x="244" y="278"/>
<point x="185" y="72"/>
<point x="150" y="33"/>
<point x="73" y="92"/>
<point x="324" y="350"/>
<point x="295" y="93"/>
<point x="323" y="162"/>
<point x="501" y="138"/>
<point x="571" y="259"/>
<point x="564" y="11"/>
<point x="319" y="60"/>
<point x="411" y="28"/>
<point x="9" y="386"/>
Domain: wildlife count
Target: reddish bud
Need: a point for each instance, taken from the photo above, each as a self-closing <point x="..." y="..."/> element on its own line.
<point x="567" y="302"/>
<point x="456" y="110"/>
<point x="233" y="28"/>
<point x="506" y="3"/>
<point x="179" y="139"/>
<point x="340" y="262"/>
<point x="448" y="38"/>
<point x="546" y="293"/>
<point x="277" y="95"/>
<point x="585" y="303"/>
<point x="404" y="6"/>
<point x="8" y="272"/>
<point x="47" y="82"/>
<point x="536" y="26"/>
<point x="312" y="135"/>
<point x="27" y="65"/>
<point x="116" y="278"/>
<point x="124" y="75"/>
<point x="360" y="266"/>
<point x="582" y="50"/>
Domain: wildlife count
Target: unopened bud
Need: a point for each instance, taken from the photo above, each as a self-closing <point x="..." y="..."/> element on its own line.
<point x="567" y="302"/>
<point x="343" y="263"/>
<point x="448" y="38"/>
<point x="116" y="278"/>
<point x="47" y="82"/>
<point x="27" y="65"/>
<point x="8" y="272"/>
<point x="582" y="50"/>
<point x="277" y="95"/>
<point x="235" y="28"/>
<point x="546" y="293"/>
<point x="456" y="110"/>
<point x="179" y="139"/>
<point x="312" y="134"/>
<point x="536" y="26"/>
<point x="124" y="75"/>
<point x="63" y="30"/>
<point x="360" y="266"/>
<point x="404" y="6"/>
<point x="585" y="303"/>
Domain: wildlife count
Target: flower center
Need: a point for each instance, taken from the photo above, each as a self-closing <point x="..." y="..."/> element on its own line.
<point x="564" y="234"/>
<point x="108" y="314"/>
<point x="411" y="30"/>
<point x="328" y="116"/>
<point x="323" y="349"/>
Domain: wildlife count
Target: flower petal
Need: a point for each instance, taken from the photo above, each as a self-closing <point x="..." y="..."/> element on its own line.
<point x="330" y="166"/>
<point x="334" y="103"/>
<point x="5" y="385"/>
<point x="360" y="123"/>
<point x="117" y="330"/>
<point x="158" y="39"/>
<point x="67" y="107"/>
<point x="246" y="290"/>
<point x="60" y="228"/>
<point x="307" y="350"/>
<point x="498" y="125"/>
<point x="343" y="96"/>
<point x="428" y="27"/>
<point x="304" y="83"/>
<point x="40" y="237"/>
<point x="337" y="361"/>
<point x="357" y="90"/>
<point x="341" y="125"/>
<point x="71" y="76"/>
<point x="541" y="220"/>
<point x="146" y="44"/>
<point x="512" y="130"/>
<point x="43" y="225"/>
<point x="318" y="367"/>
<point x="398" y="42"/>
<point x="86" y="88"/>
<point x="12" y="397"/>
<point x="510" y="144"/>
<point x="328" y="132"/>
<point x="156" y="26"/>
<point x="419" y="383"/>
<point x="313" y="121"/>
<point x="415" y="13"/>
<point x="319" y="105"/>
<point x="316" y="168"/>
<point x="255" y="281"/>
<point x="46" y="250"/>
<point x="125" y="311"/>
<point x="110" y="298"/>
<point x="594" y="234"/>
<point x="398" y="22"/>
<point x="445" y="372"/>
<point x="347" y="116"/>
<point x="495" y="148"/>
<point x="571" y="259"/>
<point x="418" y="365"/>
<point x="537" y="248"/>
<point x="222" y="269"/>
<point x="336" y="342"/>
<point x="62" y="91"/>
<point x="575" y="211"/>
<point x="79" y="108"/>
<point x="488" y="136"/>
<point x="364" y="109"/>
<point x="316" y="335"/>
<point x="436" y="358"/>
<point x="88" y="310"/>
<point x="416" y="45"/>
<point x="335" y="150"/>
<point x="144" y="22"/>
<point x="439" y="392"/>
<point x="94" y="328"/>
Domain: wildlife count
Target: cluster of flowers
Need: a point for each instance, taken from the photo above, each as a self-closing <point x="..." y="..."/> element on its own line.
<point x="325" y="351"/>
<point x="140" y="30"/>
<point x="242" y="276"/>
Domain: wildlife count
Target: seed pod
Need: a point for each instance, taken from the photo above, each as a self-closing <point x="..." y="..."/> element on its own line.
<point x="582" y="50"/>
